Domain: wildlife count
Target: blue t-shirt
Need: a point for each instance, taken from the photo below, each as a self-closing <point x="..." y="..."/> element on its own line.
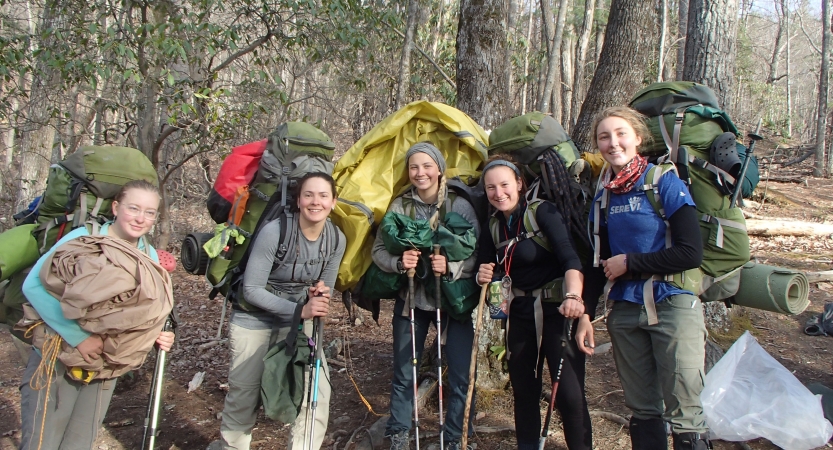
<point x="48" y="306"/>
<point x="634" y="227"/>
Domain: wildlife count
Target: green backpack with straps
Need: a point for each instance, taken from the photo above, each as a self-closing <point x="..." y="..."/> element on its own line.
<point x="291" y="151"/>
<point x="83" y="186"/>
<point x="689" y="132"/>
<point x="528" y="136"/>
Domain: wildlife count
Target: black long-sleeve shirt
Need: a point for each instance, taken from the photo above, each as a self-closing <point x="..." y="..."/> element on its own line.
<point x="530" y="265"/>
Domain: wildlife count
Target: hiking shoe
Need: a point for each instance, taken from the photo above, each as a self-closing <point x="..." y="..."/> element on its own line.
<point x="691" y="441"/>
<point x="457" y="445"/>
<point x="400" y="440"/>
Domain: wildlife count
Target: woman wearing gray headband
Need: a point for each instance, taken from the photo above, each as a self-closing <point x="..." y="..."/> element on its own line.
<point x="536" y="283"/>
<point x="427" y="199"/>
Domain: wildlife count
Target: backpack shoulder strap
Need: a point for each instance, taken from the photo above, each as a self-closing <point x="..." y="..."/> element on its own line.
<point x="531" y="224"/>
<point x="289" y="227"/>
<point x="651" y="186"/>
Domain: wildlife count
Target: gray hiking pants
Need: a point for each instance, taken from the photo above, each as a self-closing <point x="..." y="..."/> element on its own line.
<point x="74" y="410"/>
<point x="661" y="366"/>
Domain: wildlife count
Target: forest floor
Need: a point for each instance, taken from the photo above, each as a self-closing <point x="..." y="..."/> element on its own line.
<point x="190" y="420"/>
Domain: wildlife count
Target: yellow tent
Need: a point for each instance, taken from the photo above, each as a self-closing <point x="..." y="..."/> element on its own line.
<point x="372" y="171"/>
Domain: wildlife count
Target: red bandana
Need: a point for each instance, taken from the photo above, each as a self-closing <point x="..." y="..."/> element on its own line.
<point x="628" y="176"/>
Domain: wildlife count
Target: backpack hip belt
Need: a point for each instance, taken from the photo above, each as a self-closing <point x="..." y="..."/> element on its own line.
<point x="551" y="292"/>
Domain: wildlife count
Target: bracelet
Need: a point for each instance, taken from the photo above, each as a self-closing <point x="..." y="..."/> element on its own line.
<point x="574" y="296"/>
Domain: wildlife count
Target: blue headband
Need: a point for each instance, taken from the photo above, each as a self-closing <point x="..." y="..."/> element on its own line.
<point x="502" y="162"/>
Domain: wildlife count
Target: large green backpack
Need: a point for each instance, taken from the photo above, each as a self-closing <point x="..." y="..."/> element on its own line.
<point x="528" y="136"/>
<point x="82" y="187"/>
<point x="292" y="150"/>
<point x="691" y="118"/>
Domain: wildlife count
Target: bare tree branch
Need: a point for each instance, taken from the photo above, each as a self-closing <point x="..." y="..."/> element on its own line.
<point x="801" y="24"/>
<point x="433" y="63"/>
<point x="262" y="40"/>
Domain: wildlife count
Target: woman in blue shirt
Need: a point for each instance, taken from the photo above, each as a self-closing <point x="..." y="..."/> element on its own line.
<point x="656" y="326"/>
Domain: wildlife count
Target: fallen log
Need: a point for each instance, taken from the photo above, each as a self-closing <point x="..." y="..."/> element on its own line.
<point x="785" y="227"/>
<point x="818" y="277"/>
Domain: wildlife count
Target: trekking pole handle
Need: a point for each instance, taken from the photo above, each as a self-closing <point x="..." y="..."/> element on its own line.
<point x="437" y="253"/>
<point x="753" y="138"/>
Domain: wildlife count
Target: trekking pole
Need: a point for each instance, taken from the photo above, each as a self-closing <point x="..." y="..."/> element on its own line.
<point x="565" y="341"/>
<point x="155" y="399"/>
<point x="310" y="381"/>
<point x="411" y="273"/>
<point x="438" y="298"/>
<point x="319" y="334"/>
<point x="473" y="365"/>
<point x="753" y="138"/>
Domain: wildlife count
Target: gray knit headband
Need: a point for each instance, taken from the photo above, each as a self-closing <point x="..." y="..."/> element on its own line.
<point x="502" y="162"/>
<point x="428" y="149"/>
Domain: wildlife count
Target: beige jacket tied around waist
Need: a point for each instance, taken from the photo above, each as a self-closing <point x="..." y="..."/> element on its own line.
<point x="114" y="290"/>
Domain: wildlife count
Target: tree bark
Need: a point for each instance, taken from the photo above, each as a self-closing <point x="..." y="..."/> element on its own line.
<point x="663" y="30"/>
<point x="524" y="88"/>
<point x="785" y="227"/>
<point x="710" y="46"/>
<point x="511" y="17"/>
<point x="824" y="73"/>
<point x="38" y="131"/>
<point x="481" y="80"/>
<point x="567" y="82"/>
<point x="630" y="37"/>
<point x="779" y="43"/>
<point x="682" y="30"/>
<point x="405" y="59"/>
<point x="600" y="32"/>
<point x="581" y="58"/>
<point x="551" y="96"/>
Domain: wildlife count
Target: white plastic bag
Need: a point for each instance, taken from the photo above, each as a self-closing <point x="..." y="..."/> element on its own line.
<point x="748" y="394"/>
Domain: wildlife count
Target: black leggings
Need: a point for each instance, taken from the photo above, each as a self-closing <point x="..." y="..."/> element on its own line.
<point x="526" y="387"/>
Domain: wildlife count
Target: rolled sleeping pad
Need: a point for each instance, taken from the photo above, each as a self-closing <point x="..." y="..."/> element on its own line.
<point x="18" y="250"/>
<point x="771" y="288"/>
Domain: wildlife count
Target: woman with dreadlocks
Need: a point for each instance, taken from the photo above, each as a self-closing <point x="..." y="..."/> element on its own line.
<point x="531" y="256"/>
<point x="428" y="198"/>
<point x="656" y="324"/>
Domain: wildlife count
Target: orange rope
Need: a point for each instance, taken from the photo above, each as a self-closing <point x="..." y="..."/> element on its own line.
<point x="42" y="378"/>
<point x="349" y="362"/>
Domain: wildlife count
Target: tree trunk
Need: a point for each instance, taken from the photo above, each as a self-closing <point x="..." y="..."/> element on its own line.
<point x="482" y="94"/>
<point x="524" y="88"/>
<point x="481" y="80"/>
<point x="710" y="46"/>
<point x="821" y="114"/>
<point x="510" y="47"/>
<point x="780" y="7"/>
<point x="567" y="82"/>
<point x="405" y="59"/>
<point x="38" y="131"/>
<point x="581" y="58"/>
<point x="600" y="33"/>
<point x="630" y="37"/>
<point x="552" y="85"/>
<point x="789" y="81"/>
<point x="785" y="227"/>
<point x="663" y="30"/>
<point x="682" y="30"/>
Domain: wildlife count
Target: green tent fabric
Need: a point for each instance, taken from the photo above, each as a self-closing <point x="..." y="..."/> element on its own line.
<point x="457" y="239"/>
<point x="282" y="382"/>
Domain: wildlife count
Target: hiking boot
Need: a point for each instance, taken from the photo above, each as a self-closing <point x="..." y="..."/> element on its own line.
<point x="457" y="445"/>
<point x="400" y="440"/>
<point x="648" y="434"/>
<point x="691" y="441"/>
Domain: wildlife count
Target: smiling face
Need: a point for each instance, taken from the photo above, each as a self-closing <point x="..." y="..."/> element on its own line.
<point x="424" y="174"/>
<point x="315" y="200"/>
<point x="135" y="214"/>
<point x="503" y="189"/>
<point x="617" y="142"/>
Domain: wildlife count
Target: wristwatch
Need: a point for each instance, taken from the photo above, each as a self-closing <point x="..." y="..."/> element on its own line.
<point x="399" y="266"/>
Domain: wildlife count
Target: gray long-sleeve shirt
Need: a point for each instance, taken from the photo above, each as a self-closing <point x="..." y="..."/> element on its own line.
<point x="278" y="292"/>
<point x="456" y="270"/>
